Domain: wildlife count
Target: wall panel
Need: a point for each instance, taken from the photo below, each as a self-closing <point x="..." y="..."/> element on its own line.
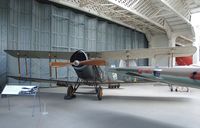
<point x="101" y="36"/>
<point x="30" y="25"/>
<point x="3" y="41"/>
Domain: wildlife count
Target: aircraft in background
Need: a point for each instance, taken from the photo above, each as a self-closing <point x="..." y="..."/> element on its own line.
<point x="87" y="64"/>
<point x="182" y="76"/>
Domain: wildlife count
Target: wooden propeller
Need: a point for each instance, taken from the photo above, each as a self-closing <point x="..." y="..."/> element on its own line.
<point x="59" y="64"/>
<point x="97" y="62"/>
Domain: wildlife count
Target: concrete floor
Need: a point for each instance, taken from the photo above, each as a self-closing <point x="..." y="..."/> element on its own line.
<point x="137" y="106"/>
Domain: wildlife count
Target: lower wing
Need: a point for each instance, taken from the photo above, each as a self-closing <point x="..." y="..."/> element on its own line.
<point x="62" y="82"/>
<point x="45" y="80"/>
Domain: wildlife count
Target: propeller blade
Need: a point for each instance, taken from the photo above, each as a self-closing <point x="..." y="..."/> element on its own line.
<point x="97" y="62"/>
<point x="59" y="64"/>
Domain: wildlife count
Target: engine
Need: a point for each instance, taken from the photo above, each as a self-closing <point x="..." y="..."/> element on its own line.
<point x="85" y="72"/>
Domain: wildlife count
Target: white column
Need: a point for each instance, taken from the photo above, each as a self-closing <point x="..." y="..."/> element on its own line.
<point x="195" y="22"/>
<point x="159" y="41"/>
<point x="172" y="43"/>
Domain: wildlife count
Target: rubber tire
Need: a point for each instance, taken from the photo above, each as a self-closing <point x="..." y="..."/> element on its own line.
<point x="100" y="93"/>
<point x="69" y="94"/>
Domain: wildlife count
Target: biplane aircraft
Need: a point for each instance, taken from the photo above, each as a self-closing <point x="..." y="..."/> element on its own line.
<point x="87" y="64"/>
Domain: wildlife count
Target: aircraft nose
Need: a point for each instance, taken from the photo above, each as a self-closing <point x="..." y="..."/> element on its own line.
<point x="76" y="63"/>
<point x="77" y="57"/>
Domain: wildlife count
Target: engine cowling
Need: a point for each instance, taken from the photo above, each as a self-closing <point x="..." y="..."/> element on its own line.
<point x="79" y="55"/>
<point x="85" y="72"/>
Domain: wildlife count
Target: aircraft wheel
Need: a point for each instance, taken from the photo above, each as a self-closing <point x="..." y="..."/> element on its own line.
<point x="118" y="86"/>
<point x="176" y="89"/>
<point x="70" y="93"/>
<point x="100" y="93"/>
<point x="171" y="90"/>
<point x="96" y="89"/>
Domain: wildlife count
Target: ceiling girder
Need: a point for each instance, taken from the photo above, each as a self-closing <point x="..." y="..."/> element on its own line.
<point x="142" y="15"/>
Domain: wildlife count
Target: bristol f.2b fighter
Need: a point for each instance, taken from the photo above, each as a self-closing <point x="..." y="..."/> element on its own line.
<point x="87" y="64"/>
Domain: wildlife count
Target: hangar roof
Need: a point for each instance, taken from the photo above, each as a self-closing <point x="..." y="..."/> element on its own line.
<point x="148" y="16"/>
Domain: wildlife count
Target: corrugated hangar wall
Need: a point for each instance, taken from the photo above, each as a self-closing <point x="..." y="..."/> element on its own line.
<point x="3" y="41"/>
<point x="30" y="25"/>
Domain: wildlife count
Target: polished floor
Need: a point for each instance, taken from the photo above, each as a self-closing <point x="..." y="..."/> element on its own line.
<point x="148" y="105"/>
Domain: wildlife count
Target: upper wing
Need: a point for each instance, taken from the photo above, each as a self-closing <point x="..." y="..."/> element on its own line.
<point x="147" y="53"/>
<point x="121" y="54"/>
<point x="39" y="54"/>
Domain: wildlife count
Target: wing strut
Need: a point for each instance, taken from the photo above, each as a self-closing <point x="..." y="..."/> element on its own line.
<point x="50" y="69"/>
<point x="19" y="69"/>
<point x="56" y="69"/>
<point x="26" y="66"/>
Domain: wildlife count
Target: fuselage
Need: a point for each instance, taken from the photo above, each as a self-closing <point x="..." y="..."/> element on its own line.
<point x="185" y="76"/>
<point x="86" y="72"/>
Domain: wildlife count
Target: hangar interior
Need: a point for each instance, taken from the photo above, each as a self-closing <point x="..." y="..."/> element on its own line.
<point x="59" y="25"/>
<point x="99" y="25"/>
<point x="32" y="25"/>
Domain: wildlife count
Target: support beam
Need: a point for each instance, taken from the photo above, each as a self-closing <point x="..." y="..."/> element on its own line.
<point x="175" y="11"/>
<point x="136" y="13"/>
<point x="84" y="3"/>
<point x="88" y="10"/>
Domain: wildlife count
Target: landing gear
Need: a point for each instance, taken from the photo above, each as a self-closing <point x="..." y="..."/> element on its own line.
<point x="72" y="89"/>
<point x="99" y="93"/>
<point x="187" y="89"/>
<point x="113" y="85"/>
<point x="179" y="89"/>
<point x="182" y="89"/>
<point x="70" y="93"/>
<point x="171" y="88"/>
